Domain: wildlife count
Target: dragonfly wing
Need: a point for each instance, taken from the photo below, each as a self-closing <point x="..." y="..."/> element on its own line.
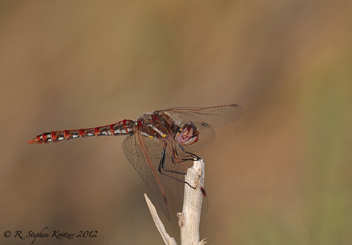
<point x="139" y="150"/>
<point x="214" y="116"/>
<point x="142" y="153"/>
<point x="205" y="118"/>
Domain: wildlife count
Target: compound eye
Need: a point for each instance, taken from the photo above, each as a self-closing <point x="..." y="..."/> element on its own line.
<point x="187" y="135"/>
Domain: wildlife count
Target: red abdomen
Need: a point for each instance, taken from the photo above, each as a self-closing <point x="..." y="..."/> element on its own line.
<point x="120" y="128"/>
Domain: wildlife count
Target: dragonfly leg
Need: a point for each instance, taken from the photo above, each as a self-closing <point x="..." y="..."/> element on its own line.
<point x="195" y="157"/>
<point x="162" y="164"/>
<point x="191" y="156"/>
<point x="162" y="167"/>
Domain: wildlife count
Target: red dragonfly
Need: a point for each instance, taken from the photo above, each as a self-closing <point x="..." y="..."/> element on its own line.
<point x="159" y="144"/>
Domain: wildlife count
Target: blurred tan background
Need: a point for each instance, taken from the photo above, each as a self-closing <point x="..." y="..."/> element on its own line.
<point x="281" y="174"/>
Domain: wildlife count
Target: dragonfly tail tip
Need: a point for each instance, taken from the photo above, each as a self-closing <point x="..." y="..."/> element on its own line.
<point x="32" y="141"/>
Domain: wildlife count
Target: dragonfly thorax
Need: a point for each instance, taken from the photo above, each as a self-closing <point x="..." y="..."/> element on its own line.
<point x="155" y="125"/>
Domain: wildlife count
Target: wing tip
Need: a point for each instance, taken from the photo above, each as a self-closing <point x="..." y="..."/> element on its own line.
<point x="240" y="108"/>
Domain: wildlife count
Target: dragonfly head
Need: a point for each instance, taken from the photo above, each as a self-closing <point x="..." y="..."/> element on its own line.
<point x="187" y="134"/>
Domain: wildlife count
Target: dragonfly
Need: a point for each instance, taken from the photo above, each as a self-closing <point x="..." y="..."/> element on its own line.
<point x="160" y="144"/>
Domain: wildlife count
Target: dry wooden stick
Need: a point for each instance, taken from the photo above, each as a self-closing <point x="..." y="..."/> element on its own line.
<point x="189" y="219"/>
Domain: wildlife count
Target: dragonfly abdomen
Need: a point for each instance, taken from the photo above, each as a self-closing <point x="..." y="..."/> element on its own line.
<point x="120" y="128"/>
